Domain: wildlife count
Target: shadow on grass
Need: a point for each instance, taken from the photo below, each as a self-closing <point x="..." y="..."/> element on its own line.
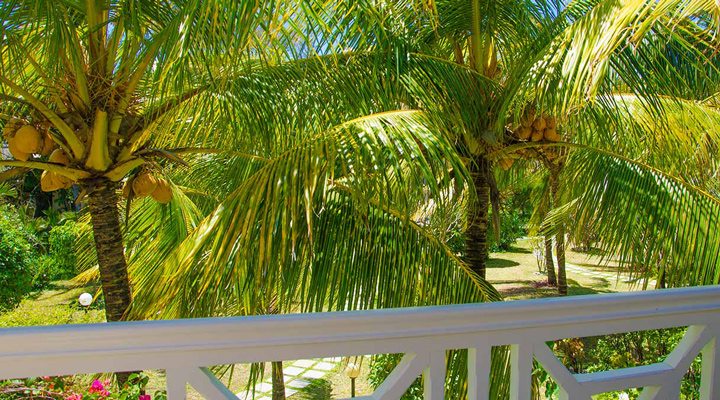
<point x="574" y="288"/>
<point x="318" y="389"/>
<point x="516" y="249"/>
<point x="500" y="263"/>
<point x="539" y="289"/>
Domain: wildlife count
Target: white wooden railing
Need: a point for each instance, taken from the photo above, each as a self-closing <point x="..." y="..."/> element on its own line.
<point x="184" y="348"/>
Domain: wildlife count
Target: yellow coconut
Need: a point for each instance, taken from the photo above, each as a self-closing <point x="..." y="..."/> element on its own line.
<point x="16" y="152"/>
<point x="506" y="163"/>
<point x="539" y="123"/>
<point x="59" y="157"/>
<point x="162" y="193"/>
<point x="523" y="133"/>
<point x="49" y="182"/>
<point x="552" y="135"/>
<point x="537" y="135"/>
<point x="63" y="181"/>
<point x="28" y="139"/>
<point x="11" y="127"/>
<point x="144" y="184"/>
<point x="48" y="145"/>
<point x="551" y="122"/>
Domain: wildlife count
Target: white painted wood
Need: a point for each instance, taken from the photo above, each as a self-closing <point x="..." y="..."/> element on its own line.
<point x="521" y="358"/>
<point x="404" y="374"/>
<point x="570" y="388"/>
<point x="207" y="384"/>
<point x="689" y="347"/>
<point x="479" y="359"/>
<point x="434" y="377"/>
<point x="710" y="378"/>
<point x="619" y="379"/>
<point x="181" y="347"/>
<point x="176" y="381"/>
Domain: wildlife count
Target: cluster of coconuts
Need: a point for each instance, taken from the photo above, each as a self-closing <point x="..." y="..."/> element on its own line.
<point x="534" y="128"/>
<point x="146" y="184"/>
<point x="24" y="140"/>
<point x="537" y="128"/>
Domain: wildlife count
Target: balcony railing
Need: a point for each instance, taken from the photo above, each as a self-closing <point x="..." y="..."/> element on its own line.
<point x="185" y="348"/>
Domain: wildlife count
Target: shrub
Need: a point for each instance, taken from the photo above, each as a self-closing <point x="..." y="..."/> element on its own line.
<point x="61" y="243"/>
<point x="513" y="225"/>
<point x="17" y="259"/>
<point x="72" y="388"/>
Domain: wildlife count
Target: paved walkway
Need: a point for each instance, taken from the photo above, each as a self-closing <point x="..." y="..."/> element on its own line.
<point x="297" y="375"/>
<point x="610" y="276"/>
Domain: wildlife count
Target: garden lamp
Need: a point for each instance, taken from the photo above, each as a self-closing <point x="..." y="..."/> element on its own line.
<point x="352" y="371"/>
<point x="85" y="300"/>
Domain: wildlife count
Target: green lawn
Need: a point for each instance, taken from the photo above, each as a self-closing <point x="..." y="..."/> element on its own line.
<point x="515" y="274"/>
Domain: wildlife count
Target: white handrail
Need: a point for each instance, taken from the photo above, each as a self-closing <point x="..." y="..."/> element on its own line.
<point x="183" y="346"/>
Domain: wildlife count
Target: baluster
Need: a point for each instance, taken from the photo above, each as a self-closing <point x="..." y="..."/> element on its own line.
<point x="521" y="357"/>
<point x="176" y="382"/>
<point x="434" y="376"/>
<point x="710" y="378"/>
<point x="479" y="373"/>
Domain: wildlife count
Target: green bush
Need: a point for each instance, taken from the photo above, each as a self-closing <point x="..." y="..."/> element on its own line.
<point x="61" y="243"/>
<point x="17" y="259"/>
<point x="513" y="225"/>
<point x="620" y="351"/>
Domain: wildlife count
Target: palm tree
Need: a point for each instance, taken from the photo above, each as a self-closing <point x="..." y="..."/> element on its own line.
<point x="642" y="140"/>
<point x="97" y="79"/>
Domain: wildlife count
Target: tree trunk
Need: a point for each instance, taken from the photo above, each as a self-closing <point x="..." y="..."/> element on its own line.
<point x="102" y="201"/>
<point x="559" y="237"/>
<point x="476" y="246"/>
<point x="278" y="384"/>
<point x="110" y="250"/>
<point x="549" y="265"/>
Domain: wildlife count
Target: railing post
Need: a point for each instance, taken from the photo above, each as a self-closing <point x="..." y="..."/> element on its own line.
<point x="479" y="360"/>
<point x="176" y="382"/>
<point x="710" y="377"/>
<point x="521" y="357"/>
<point x="434" y="376"/>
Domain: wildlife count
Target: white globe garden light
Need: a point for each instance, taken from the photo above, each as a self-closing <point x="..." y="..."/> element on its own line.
<point x="85" y="299"/>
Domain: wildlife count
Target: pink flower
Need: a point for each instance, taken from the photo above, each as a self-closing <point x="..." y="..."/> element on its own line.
<point x="74" y="396"/>
<point x="144" y="397"/>
<point x="104" y="393"/>
<point x="96" y="387"/>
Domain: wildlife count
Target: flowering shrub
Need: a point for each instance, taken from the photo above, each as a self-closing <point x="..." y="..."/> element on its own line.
<point x="64" y="388"/>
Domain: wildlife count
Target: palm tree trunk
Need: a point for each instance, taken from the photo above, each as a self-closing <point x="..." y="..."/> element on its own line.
<point x="110" y="250"/>
<point x="278" y="384"/>
<point x="560" y="236"/>
<point x="549" y="265"/>
<point x="476" y="245"/>
<point x="102" y="201"/>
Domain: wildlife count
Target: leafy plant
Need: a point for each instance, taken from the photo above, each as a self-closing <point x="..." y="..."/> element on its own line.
<point x="17" y="259"/>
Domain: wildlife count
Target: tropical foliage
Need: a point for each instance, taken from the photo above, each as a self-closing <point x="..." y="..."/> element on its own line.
<point x="331" y="157"/>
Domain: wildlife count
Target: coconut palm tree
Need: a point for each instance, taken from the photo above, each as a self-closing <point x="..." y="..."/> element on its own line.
<point x="642" y="152"/>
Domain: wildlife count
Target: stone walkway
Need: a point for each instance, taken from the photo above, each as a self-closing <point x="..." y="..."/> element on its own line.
<point x="611" y="277"/>
<point x="297" y="375"/>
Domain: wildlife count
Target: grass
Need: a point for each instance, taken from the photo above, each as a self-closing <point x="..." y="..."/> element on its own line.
<point x="56" y="305"/>
<point x="516" y="275"/>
